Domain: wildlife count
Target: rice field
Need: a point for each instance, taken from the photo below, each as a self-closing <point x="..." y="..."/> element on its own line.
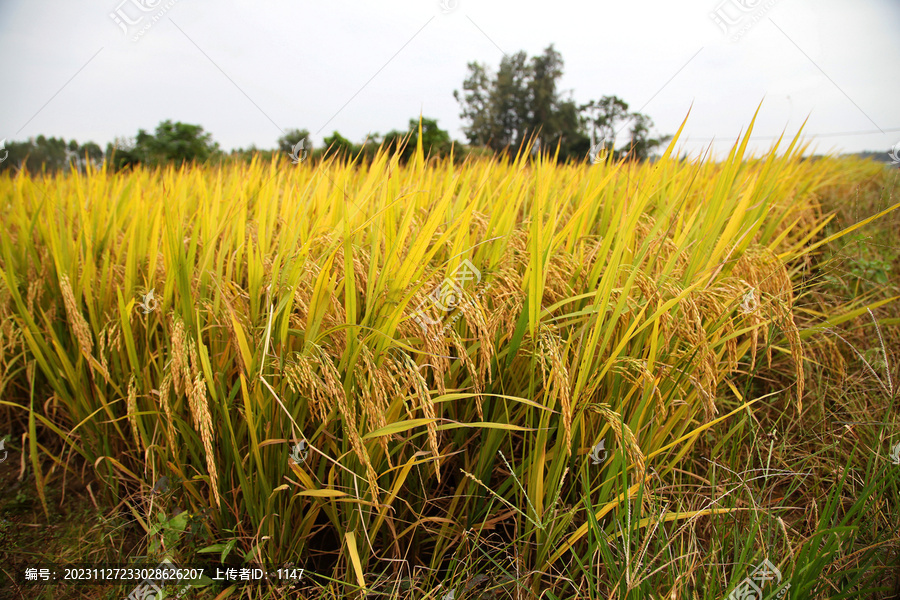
<point x="506" y="378"/>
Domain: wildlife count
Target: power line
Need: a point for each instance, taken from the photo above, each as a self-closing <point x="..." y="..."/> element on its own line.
<point x="775" y="137"/>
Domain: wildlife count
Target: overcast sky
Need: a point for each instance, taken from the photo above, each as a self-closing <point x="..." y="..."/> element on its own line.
<point x="249" y="70"/>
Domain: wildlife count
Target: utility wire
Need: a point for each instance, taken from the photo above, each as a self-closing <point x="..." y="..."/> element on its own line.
<point x="775" y="137"/>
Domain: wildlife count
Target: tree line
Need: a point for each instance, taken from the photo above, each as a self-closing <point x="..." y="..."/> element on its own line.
<point x="522" y="101"/>
<point x="503" y="111"/>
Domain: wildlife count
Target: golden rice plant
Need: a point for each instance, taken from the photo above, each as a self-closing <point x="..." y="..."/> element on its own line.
<point x="615" y="302"/>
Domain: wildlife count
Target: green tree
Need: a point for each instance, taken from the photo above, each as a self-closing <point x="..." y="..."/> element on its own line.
<point x="88" y="154"/>
<point x="510" y="99"/>
<point x="602" y="119"/>
<point x="496" y="107"/>
<point x="477" y="105"/>
<point x="174" y="142"/>
<point x="523" y="99"/>
<point x="435" y="141"/>
<point x="291" y="137"/>
<point x="641" y="145"/>
<point x="49" y="152"/>
<point x="370" y="145"/>
<point x="41" y="154"/>
<point x="555" y="120"/>
<point x="336" y="144"/>
<point x="122" y="154"/>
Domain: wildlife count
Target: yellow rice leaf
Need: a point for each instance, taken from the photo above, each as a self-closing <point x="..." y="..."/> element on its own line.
<point x="398" y="427"/>
<point x="242" y="343"/>
<point x="485" y="425"/>
<point x="354" y="554"/>
<point x="323" y="493"/>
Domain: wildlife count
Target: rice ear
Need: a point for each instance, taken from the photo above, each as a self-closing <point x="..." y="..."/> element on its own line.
<point x="131" y="408"/>
<point x="624" y="438"/>
<point x="553" y="364"/>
